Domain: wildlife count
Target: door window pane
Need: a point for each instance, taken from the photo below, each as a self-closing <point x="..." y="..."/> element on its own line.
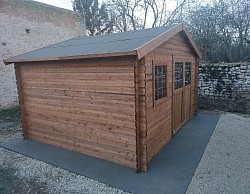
<point x="187" y="73"/>
<point x="160" y="82"/>
<point x="178" y="82"/>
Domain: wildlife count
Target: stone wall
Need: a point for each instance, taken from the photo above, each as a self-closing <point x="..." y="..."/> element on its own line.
<point x="27" y="25"/>
<point x="225" y="86"/>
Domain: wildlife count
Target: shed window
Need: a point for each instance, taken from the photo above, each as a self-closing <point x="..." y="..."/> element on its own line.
<point x="187" y="73"/>
<point x="160" y="82"/>
<point x="178" y="82"/>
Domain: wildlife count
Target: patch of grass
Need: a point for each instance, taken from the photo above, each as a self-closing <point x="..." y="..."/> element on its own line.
<point x="10" y="114"/>
<point x="11" y="184"/>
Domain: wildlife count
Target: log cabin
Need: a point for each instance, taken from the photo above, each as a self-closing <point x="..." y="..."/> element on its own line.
<point x="119" y="97"/>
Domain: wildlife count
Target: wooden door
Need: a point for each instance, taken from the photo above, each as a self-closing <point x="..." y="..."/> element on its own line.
<point x="181" y="94"/>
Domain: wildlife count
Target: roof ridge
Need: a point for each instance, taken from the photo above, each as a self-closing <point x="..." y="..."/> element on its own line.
<point x="99" y="42"/>
<point x="126" y="32"/>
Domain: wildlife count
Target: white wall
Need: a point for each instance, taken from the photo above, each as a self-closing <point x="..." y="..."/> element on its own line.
<point x="47" y="25"/>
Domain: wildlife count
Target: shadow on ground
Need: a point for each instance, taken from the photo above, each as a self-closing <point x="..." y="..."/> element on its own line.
<point x="11" y="184"/>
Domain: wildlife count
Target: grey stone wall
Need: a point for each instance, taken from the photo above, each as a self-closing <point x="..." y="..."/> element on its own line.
<point x="24" y="26"/>
<point x="225" y="86"/>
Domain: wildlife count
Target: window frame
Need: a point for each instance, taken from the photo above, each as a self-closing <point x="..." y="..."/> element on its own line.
<point x="159" y="100"/>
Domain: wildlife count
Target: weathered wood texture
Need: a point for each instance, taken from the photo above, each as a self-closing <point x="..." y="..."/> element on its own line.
<point x="159" y="115"/>
<point x="83" y="105"/>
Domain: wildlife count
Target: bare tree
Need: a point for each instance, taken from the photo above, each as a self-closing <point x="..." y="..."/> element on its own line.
<point x="139" y="14"/>
<point x="97" y="18"/>
<point x="240" y="23"/>
<point x="125" y="12"/>
<point x="221" y="30"/>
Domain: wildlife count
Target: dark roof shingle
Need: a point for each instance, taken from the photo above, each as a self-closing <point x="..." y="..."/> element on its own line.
<point x="111" y="43"/>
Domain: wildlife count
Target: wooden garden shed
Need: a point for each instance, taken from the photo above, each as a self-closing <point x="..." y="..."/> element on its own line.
<point x="118" y="97"/>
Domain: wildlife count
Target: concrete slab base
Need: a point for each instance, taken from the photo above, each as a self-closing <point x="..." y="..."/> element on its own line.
<point x="169" y="172"/>
<point x="6" y="124"/>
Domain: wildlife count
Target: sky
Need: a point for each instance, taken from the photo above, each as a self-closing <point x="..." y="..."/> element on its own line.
<point x="66" y="4"/>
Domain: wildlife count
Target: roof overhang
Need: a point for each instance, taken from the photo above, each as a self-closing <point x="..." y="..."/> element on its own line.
<point x="116" y="54"/>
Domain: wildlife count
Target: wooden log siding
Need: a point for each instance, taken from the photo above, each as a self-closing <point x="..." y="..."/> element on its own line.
<point x="104" y="104"/>
<point x="159" y="117"/>
<point x="82" y="105"/>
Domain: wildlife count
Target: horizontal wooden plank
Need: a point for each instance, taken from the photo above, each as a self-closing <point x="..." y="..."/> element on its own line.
<point x="109" y="106"/>
<point x="82" y="135"/>
<point x="122" y="110"/>
<point x="67" y="90"/>
<point x="158" y="146"/>
<point x="61" y="115"/>
<point x="86" y="149"/>
<point x="74" y="123"/>
<point x="82" y="68"/>
<point x="83" y="112"/>
<point x="161" y="129"/>
<point x="86" y="106"/>
<point x="73" y="130"/>
<point x="163" y="51"/>
<point x="175" y="47"/>
<point x="109" y="89"/>
<point x="76" y="93"/>
<point x="160" y="138"/>
<point x="35" y="81"/>
<point x="177" y="42"/>
<point x="88" y="143"/>
<point x="80" y="76"/>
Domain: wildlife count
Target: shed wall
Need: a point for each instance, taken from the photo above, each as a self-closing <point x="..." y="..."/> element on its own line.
<point x="85" y="106"/>
<point x="159" y="117"/>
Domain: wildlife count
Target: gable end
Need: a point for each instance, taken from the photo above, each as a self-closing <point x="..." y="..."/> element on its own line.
<point x="159" y="40"/>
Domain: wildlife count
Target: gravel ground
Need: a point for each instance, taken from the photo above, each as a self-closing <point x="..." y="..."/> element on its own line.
<point x="38" y="177"/>
<point x="225" y="165"/>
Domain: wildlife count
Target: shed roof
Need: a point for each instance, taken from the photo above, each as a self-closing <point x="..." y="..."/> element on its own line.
<point x="139" y="42"/>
